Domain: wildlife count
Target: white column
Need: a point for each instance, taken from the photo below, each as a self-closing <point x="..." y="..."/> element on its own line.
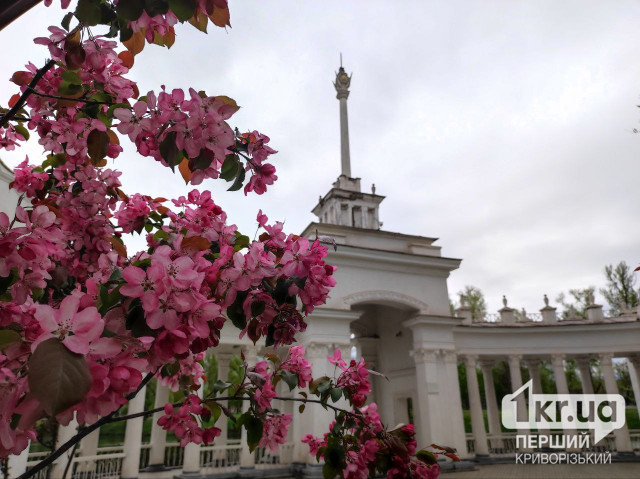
<point x="559" y="375"/>
<point x="18" y="464"/>
<point x="133" y="437"/>
<point x="623" y="441"/>
<point x="89" y="447"/>
<point x="247" y="458"/>
<point x="158" y="435"/>
<point x="516" y="382"/>
<point x="475" y="404"/>
<point x="584" y="366"/>
<point x="64" y="434"/>
<point x="634" y="374"/>
<point x="223" y="374"/>
<point x="451" y="400"/>
<point x="492" y="402"/>
<point x="533" y="366"/>
<point x="344" y="136"/>
<point x="191" y="464"/>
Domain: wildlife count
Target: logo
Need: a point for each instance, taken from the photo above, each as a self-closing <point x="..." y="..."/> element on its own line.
<point x="600" y="413"/>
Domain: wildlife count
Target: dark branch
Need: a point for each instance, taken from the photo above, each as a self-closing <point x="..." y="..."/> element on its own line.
<point x="23" y="98"/>
<point x="10" y="11"/>
<point x="78" y="100"/>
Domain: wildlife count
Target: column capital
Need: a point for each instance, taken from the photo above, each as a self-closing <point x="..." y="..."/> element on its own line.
<point x="470" y="360"/>
<point x="606" y="358"/>
<point x="486" y="364"/>
<point x="514" y="358"/>
<point x="317" y="350"/>
<point x="449" y="355"/>
<point x="424" y="355"/>
<point x="635" y="360"/>
<point x="532" y="363"/>
<point x="557" y="357"/>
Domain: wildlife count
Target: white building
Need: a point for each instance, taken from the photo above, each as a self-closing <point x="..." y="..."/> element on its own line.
<point x="391" y="304"/>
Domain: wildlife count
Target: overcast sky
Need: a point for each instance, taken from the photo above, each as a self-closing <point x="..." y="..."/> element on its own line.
<point x="503" y="128"/>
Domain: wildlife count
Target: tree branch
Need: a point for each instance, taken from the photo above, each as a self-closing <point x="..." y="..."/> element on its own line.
<point x="81" y="434"/>
<point x="23" y="98"/>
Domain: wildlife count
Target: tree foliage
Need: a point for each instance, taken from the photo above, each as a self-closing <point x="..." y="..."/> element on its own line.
<point x="620" y="292"/>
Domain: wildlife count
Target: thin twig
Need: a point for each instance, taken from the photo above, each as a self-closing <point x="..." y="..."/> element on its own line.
<point x="70" y="460"/>
<point x="78" y="100"/>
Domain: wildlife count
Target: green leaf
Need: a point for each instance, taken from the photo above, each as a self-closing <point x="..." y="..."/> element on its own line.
<point x="156" y="7"/>
<point x="8" y="337"/>
<point x="235" y="312"/>
<point x="136" y="322"/>
<point x="230" y="167"/>
<point x="203" y="160"/>
<point x="69" y="89"/>
<point x="169" y="150"/>
<point x="183" y="9"/>
<point x="215" y="410"/>
<point x="290" y="378"/>
<point x="130" y="9"/>
<point x="253" y="425"/>
<point x="58" y="378"/>
<point x="336" y="394"/>
<point x="301" y="408"/>
<point x="427" y="457"/>
<point x="71" y="77"/>
<point x="23" y="131"/>
<point x="239" y="181"/>
<point x="89" y="12"/>
<point x="328" y="471"/>
<point x="66" y="20"/>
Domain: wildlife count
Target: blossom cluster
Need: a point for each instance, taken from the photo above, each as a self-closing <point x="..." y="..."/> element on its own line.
<point x="182" y="421"/>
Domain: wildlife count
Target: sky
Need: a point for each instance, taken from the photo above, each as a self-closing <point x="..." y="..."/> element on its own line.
<point x="505" y="129"/>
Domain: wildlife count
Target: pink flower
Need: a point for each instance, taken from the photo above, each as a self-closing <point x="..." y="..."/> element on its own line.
<point x="76" y="329"/>
<point x="274" y="431"/>
<point x="337" y="359"/>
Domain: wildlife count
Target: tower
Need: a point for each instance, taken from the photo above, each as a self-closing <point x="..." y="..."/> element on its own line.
<point x="345" y="204"/>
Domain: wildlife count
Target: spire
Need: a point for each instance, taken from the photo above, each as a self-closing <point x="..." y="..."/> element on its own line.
<point x="342" y="83"/>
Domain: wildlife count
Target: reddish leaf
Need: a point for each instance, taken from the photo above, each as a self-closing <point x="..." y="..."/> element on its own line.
<point x="58" y="378"/>
<point x="113" y="138"/>
<point x="200" y="21"/>
<point x="118" y="247"/>
<point x="186" y="173"/>
<point x="127" y="58"/>
<point x="220" y="16"/>
<point x="13" y="100"/>
<point x="22" y="78"/>
<point x="197" y="243"/>
<point x="135" y="44"/>
<point x="97" y="145"/>
<point x="74" y="56"/>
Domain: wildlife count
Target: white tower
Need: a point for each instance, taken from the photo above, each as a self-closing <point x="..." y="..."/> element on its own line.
<point x="345" y="204"/>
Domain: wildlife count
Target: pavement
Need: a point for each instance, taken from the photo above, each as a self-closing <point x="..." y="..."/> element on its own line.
<point x="547" y="471"/>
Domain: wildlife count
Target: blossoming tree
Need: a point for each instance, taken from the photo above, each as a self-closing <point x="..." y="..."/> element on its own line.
<point x="85" y="324"/>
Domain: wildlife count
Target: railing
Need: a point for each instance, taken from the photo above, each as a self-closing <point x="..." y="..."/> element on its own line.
<point x="145" y="451"/>
<point x="505" y="444"/>
<point x="219" y="459"/>
<point x="173" y="455"/>
<point x="100" y="466"/>
<point x="488" y="318"/>
<point x="266" y="459"/>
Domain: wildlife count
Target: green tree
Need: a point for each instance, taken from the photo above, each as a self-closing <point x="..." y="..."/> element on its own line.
<point x="620" y="292"/>
<point x="575" y="306"/>
<point x="473" y="298"/>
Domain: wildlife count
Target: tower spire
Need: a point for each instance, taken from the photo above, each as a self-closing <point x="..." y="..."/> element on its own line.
<point x="342" y="83"/>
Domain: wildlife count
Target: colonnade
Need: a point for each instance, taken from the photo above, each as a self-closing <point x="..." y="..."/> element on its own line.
<point x="533" y="364"/>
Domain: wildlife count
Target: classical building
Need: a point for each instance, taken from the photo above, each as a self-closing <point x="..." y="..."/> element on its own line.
<point x="391" y="307"/>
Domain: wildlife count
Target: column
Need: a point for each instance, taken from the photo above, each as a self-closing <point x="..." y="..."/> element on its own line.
<point x="450" y="400"/>
<point x="133" y="437"/>
<point x="533" y="366"/>
<point x="475" y="404"/>
<point x="247" y="458"/>
<point x="623" y="441"/>
<point x="557" y="361"/>
<point x="634" y="373"/>
<point x="158" y="435"/>
<point x="89" y="447"/>
<point x="584" y="366"/>
<point x="18" y="463"/>
<point x="516" y="382"/>
<point x="64" y="434"/>
<point x="493" y="414"/>
<point x="223" y="375"/>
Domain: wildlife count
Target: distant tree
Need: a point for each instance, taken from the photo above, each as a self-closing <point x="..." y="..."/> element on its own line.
<point x="620" y="292"/>
<point x="581" y="298"/>
<point x="473" y="298"/>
